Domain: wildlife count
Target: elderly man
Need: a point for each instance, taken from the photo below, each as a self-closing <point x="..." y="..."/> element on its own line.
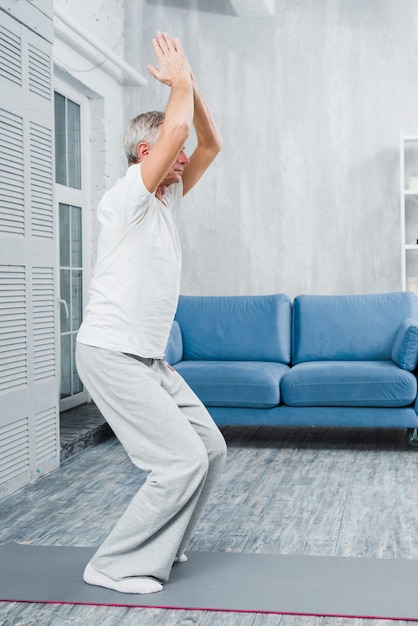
<point x="160" y="422"/>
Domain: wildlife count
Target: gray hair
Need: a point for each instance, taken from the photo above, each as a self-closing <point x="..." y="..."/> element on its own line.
<point x="144" y="127"/>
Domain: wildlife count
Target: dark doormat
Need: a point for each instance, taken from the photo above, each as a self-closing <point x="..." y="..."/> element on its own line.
<point x="225" y="581"/>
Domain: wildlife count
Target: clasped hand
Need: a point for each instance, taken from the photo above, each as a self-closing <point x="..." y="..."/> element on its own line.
<point x="173" y="64"/>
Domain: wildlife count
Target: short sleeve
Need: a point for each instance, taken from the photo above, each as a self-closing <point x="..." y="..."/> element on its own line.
<point x="129" y="198"/>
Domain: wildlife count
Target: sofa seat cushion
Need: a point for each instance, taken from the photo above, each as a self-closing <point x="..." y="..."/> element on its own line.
<point x="348" y="383"/>
<point x="234" y="383"/>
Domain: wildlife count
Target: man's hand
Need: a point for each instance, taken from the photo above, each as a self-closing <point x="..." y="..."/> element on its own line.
<point x="173" y="63"/>
<point x="174" y="71"/>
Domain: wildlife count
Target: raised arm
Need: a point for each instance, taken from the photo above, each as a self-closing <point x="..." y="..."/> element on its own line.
<point x="174" y="71"/>
<point x="209" y="140"/>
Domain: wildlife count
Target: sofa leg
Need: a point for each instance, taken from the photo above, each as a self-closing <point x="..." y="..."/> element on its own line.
<point x="412" y="437"/>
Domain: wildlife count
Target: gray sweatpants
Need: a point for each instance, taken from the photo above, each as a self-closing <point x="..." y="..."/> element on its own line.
<point x="166" y="431"/>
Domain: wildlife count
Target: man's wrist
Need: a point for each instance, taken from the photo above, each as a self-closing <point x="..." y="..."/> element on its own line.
<point x="181" y="81"/>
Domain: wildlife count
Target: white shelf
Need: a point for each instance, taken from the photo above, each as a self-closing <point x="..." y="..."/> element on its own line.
<point x="408" y="215"/>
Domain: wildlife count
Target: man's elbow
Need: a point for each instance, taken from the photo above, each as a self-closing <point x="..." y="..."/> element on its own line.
<point x="176" y="133"/>
<point x="219" y="144"/>
<point x="180" y="131"/>
<point x="215" y="146"/>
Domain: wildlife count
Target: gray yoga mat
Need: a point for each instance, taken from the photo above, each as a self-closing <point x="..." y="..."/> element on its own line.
<point x="225" y="581"/>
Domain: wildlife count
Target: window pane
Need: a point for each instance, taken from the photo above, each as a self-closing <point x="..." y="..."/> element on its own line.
<point x="77" y="384"/>
<point x="64" y="235"/>
<point x="65" y="294"/>
<point x="60" y="140"/>
<point x="65" y="366"/>
<point x="77" y="299"/>
<point x="76" y="236"/>
<point x="68" y="174"/>
<point x="74" y="148"/>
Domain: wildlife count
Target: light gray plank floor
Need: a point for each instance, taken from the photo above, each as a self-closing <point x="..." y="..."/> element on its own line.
<point x="346" y="492"/>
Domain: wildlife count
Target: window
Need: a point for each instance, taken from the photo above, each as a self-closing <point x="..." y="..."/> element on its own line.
<point x="71" y="285"/>
<point x="67" y="142"/>
<point x="70" y="194"/>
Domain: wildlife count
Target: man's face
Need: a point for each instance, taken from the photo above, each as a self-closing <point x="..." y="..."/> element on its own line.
<point x="176" y="171"/>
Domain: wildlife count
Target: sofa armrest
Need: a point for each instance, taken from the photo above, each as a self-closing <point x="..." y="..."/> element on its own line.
<point x="174" y="349"/>
<point x="405" y="348"/>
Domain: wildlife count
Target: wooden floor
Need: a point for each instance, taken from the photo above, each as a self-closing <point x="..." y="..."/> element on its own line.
<point x="317" y="492"/>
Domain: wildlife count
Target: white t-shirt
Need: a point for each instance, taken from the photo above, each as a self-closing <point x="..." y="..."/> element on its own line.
<point x="136" y="281"/>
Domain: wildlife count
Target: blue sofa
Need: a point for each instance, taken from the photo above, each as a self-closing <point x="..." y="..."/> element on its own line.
<point x="319" y="361"/>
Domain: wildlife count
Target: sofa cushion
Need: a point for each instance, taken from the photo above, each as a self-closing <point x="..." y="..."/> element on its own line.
<point x="348" y="383"/>
<point x="405" y="349"/>
<point x="235" y="328"/>
<point x="234" y="384"/>
<point x="356" y="328"/>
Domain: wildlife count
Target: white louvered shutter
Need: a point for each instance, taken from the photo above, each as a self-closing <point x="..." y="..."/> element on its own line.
<point x="29" y="418"/>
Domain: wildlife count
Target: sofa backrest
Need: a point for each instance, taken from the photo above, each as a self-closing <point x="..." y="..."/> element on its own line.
<point x="235" y="328"/>
<point x="349" y="328"/>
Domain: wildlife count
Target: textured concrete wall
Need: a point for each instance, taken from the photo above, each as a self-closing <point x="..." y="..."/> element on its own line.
<point x="311" y="103"/>
<point x="103" y="18"/>
<point x="88" y="76"/>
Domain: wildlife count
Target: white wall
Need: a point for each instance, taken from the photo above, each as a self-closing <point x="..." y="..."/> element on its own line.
<point x="311" y="103"/>
<point x="104" y="18"/>
<point x="86" y="70"/>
